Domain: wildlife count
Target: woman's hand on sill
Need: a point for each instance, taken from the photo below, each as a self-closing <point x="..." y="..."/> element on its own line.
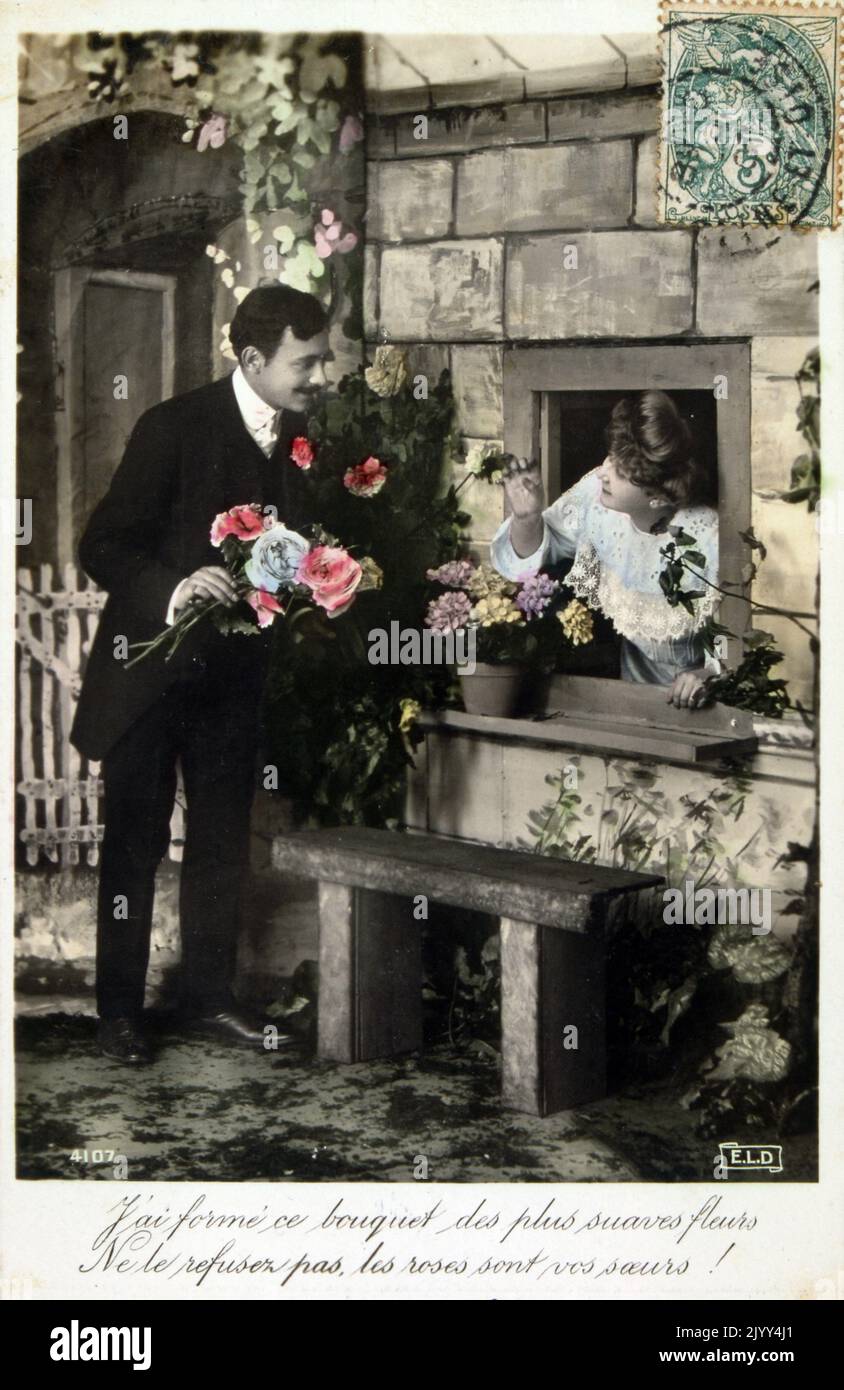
<point x="688" y="690"/>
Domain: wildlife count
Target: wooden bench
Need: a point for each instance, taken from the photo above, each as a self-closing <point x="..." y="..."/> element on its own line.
<point x="552" y="914"/>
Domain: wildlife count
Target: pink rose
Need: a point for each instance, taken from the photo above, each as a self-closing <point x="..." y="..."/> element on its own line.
<point x="302" y="452"/>
<point x="244" y="523"/>
<point x="266" y="606"/>
<point x="331" y="575"/>
<point x="366" y="478"/>
<point x="212" y="132"/>
<point x="351" y="133"/>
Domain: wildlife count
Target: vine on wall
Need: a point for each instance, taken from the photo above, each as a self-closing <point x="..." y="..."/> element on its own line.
<point x="292" y="106"/>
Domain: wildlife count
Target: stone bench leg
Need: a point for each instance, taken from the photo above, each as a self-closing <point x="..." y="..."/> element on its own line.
<point x="551" y="979"/>
<point x="370" y="975"/>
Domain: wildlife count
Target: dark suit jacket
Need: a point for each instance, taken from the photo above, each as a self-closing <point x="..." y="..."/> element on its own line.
<point x="187" y="459"/>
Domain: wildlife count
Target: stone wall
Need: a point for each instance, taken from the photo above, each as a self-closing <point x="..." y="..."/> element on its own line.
<point x="470" y="212"/>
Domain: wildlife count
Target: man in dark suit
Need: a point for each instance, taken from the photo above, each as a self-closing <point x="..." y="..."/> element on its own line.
<point x="147" y="543"/>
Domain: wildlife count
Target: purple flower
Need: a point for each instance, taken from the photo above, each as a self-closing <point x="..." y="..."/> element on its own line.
<point x="535" y="594"/>
<point x="448" y="612"/>
<point x="455" y="573"/>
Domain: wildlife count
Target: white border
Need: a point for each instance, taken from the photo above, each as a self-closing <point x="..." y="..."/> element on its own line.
<point x="47" y="1226"/>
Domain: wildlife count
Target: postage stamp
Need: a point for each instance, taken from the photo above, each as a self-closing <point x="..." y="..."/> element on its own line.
<point x="751" y="130"/>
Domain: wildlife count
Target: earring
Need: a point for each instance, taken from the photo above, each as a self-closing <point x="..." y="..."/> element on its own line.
<point x="654" y="502"/>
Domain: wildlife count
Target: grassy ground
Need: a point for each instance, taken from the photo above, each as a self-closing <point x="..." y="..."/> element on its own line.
<point x="208" y="1111"/>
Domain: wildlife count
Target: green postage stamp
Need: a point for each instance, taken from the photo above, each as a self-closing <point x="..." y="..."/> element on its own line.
<point x="752" y="120"/>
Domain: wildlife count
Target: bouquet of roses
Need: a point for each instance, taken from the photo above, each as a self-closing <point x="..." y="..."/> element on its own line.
<point x="275" y="571"/>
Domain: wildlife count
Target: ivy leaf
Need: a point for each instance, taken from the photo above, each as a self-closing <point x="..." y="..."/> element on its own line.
<point x="752" y="540"/>
<point x="288" y="123"/>
<point x="285" y="236"/>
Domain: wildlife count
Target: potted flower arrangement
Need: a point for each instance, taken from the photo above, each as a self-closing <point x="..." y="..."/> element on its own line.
<point x="519" y="628"/>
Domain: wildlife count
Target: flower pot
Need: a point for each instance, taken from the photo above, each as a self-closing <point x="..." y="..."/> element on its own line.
<point x="493" y="690"/>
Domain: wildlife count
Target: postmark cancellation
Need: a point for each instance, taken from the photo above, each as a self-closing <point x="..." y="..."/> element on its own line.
<point x="752" y="124"/>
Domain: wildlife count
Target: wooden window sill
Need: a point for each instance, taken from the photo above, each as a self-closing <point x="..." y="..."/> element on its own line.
<point x="616" y="717"/>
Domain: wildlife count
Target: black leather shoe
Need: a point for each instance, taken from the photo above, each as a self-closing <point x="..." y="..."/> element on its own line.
<point x="121" y="1040"/>
<point x="232" y="1025"/>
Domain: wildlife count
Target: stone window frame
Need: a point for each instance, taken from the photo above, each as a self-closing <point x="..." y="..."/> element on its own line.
<point x="531" y="373"/>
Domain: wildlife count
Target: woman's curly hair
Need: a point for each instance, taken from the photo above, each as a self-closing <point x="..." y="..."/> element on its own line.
<point x="651" y="445"/>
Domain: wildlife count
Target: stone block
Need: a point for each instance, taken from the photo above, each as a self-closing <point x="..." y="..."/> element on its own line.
<point x="779" y="357"/>
<point x="775" y="441"/>
<point x="603" y="117"/>
<point x="409" y="199"/>
<point x="786" y="578"/>
<point x="371" y="256"/>
<point x="626" y="284"/>
<point x="647" y="178"/>
<point x="458" y="132"/>
<point x="525" y="789"/>
<point x="478" y="390"/>
<point x="565" y="63"/>
<point x="522" y="190"/>
<point x="797" y="665"/>
<point x="380" y="136"/>
<point x="756" y="281"/>
<point x="484" y="501"/>
<point x="465" y="788"/>
<point x="443" y="291"/>
<point x="426" y="359"/>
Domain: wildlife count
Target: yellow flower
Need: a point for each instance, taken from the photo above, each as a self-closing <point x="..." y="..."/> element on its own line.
<point x="410" y="712"/>
<point x="577" y="623"/>
<point x="373" y="575"/>
<point x="487" y="582"/>
<point x="497" y="608"/>
<point x="389" y="374"/>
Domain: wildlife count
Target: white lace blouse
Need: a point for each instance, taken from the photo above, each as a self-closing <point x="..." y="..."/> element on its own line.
<point x="616" y="569"/>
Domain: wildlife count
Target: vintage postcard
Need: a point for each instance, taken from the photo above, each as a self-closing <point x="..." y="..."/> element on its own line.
<point x="426" y="787"/>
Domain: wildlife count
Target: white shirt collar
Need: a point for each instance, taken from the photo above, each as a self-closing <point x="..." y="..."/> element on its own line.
<point x="255" y="412"/>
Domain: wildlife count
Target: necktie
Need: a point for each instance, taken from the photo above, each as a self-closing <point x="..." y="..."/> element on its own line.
<point x="266" y="435"/>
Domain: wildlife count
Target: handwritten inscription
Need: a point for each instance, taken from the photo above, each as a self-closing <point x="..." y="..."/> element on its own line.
<point x="204" y="1246"/>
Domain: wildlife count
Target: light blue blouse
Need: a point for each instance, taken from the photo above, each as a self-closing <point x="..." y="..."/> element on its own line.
<point x="616" y="570"/>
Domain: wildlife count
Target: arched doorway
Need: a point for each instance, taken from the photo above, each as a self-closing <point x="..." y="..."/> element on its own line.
<point x="115" y="305"/>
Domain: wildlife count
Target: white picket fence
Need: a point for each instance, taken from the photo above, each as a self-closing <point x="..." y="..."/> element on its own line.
<point x="60" y="789"/>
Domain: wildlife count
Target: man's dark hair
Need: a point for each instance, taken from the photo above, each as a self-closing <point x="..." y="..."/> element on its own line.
<point x="263" y="316"/>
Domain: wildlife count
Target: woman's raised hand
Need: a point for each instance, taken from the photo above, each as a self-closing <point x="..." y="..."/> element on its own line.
<point x="523" y="489"/>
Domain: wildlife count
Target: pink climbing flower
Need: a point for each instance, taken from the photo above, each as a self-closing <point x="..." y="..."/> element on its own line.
<point x="329" y="236"/>
<point x="212" y="132"/>
<point x="351" y="132"/>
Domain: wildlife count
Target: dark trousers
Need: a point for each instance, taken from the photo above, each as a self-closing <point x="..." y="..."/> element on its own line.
<point x="213" y="731"/>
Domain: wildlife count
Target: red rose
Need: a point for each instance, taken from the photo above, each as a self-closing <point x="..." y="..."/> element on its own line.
<point x="244" y="523"/>
<point x="366" y="478"/>
<point x="302" y="452"/>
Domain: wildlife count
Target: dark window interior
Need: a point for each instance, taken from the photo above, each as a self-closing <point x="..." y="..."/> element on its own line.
<point x="584" y="416"/>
